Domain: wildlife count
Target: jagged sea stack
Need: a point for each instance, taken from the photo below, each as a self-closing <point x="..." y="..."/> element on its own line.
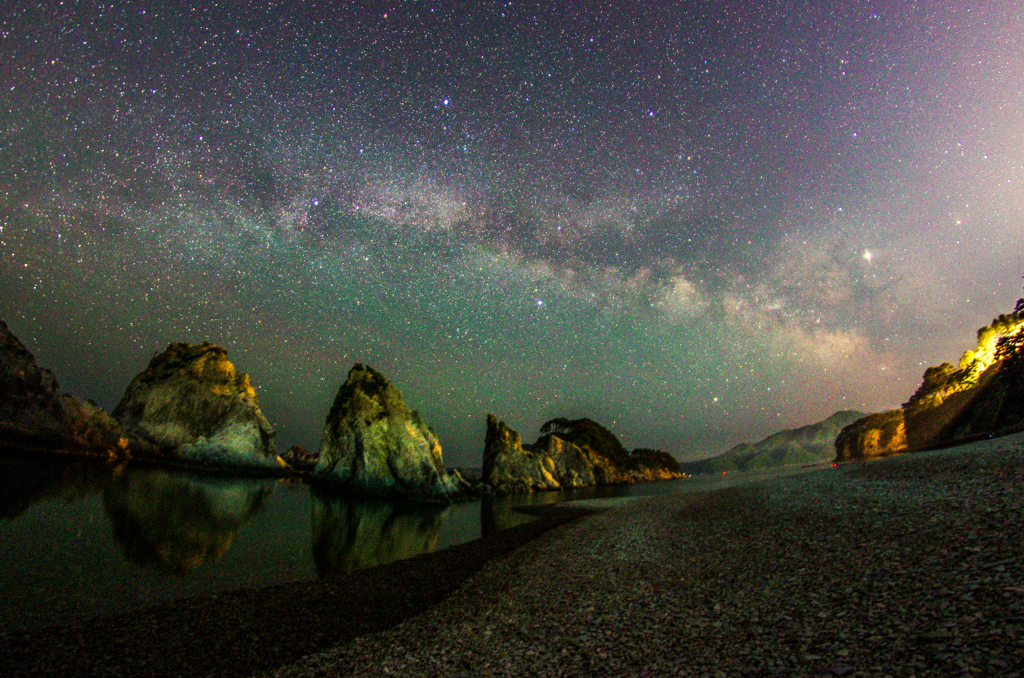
<point x="551" y="464"/>
<point x="509" y="468"/>
<point x="192" y="400"/>
<point x="373" y="444"/>
<point x="34" y="413"/>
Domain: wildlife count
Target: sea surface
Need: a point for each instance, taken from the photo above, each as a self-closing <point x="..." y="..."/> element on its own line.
<point x="81" y="538"/>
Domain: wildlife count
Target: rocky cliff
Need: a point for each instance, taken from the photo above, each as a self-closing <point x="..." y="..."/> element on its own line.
<point x="192" y="402"/>
<point x="982" y="395"/>
<point x="373" y="444"/>
<point x="976" y="396"/>
<point x="811" y="444"/>
<point x="569" y="454"/>
<point x="872" y="437"/>
<point x="35" y="414"/>
<point x="554" y="464"/>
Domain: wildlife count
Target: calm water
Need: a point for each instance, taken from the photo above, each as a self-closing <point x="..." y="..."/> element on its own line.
<point x="80" y="538"/>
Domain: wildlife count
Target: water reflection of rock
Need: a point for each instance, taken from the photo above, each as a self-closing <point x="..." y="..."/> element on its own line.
<point x="499" y="512"/>
<point x="25" y="481"/>
<point x="175" y="521"/>
<point x="352" y="534"/>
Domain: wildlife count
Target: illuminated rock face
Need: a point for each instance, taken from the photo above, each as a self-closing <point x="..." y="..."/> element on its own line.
<point x="301" y="459"/>
<point x="983" y="395"/>
<point x="590" y="456"/>
<point x="192" y="401"/>
<point x="874" y="436"/>
<point x="34" y="413"/>
<point x="978" y="396"/>
<point x="998" y="407"/>
<point x="372" y="443"/>
<point x="511" y="468"/>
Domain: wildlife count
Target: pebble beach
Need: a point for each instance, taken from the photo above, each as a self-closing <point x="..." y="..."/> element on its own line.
<point x="908" y="566"/>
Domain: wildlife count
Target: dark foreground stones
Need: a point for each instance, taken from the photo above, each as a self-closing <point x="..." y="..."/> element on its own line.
<point x="905" y="566"/>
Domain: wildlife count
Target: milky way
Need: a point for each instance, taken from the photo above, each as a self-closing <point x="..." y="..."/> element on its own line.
<point x="696" y="223"/>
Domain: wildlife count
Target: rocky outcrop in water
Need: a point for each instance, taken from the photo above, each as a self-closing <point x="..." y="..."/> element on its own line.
<point x="300" y="459"/>
<point x="811" y="444"/>
<point x="509" y="467"/>
<point x="983" y="395"/>
<point x="35" y="414"/>
<point x="192" y="402"/>
<point x="569" y="454"/>
<point x="609" y="460"/>
<point x="375" y="445"/>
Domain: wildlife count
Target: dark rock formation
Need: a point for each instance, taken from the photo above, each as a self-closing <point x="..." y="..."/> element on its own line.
<point x="611" y="463"/>
<point x="872" y="437"/>
<point x="570" y="454"/>
<point x="34" y="413"/>
<point x="300" y="459"/>
<point x="192" y="401"/>
<point x="608" y="459"/>
<point x="982" y="396"/>
<point x="654" y="464"/>
<point x="997" y="409"/>
<point x="471" y="474"/>
<point x="373" y="444"/>
<point x="810" y="444"/>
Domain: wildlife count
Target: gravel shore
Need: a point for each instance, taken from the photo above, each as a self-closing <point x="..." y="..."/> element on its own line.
<point x="910" y="566"/>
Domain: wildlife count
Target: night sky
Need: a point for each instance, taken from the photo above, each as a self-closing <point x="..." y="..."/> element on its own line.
<point x="694" y="222"/>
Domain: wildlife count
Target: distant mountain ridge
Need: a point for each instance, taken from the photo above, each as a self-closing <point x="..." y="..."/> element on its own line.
<point x="809" y="444"/>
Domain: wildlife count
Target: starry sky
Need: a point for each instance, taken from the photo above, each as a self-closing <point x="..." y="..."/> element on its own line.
<point x="694" y="222"/>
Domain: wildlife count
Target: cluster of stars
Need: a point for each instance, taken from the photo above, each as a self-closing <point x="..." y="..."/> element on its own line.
<point x="641" y="216"/>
